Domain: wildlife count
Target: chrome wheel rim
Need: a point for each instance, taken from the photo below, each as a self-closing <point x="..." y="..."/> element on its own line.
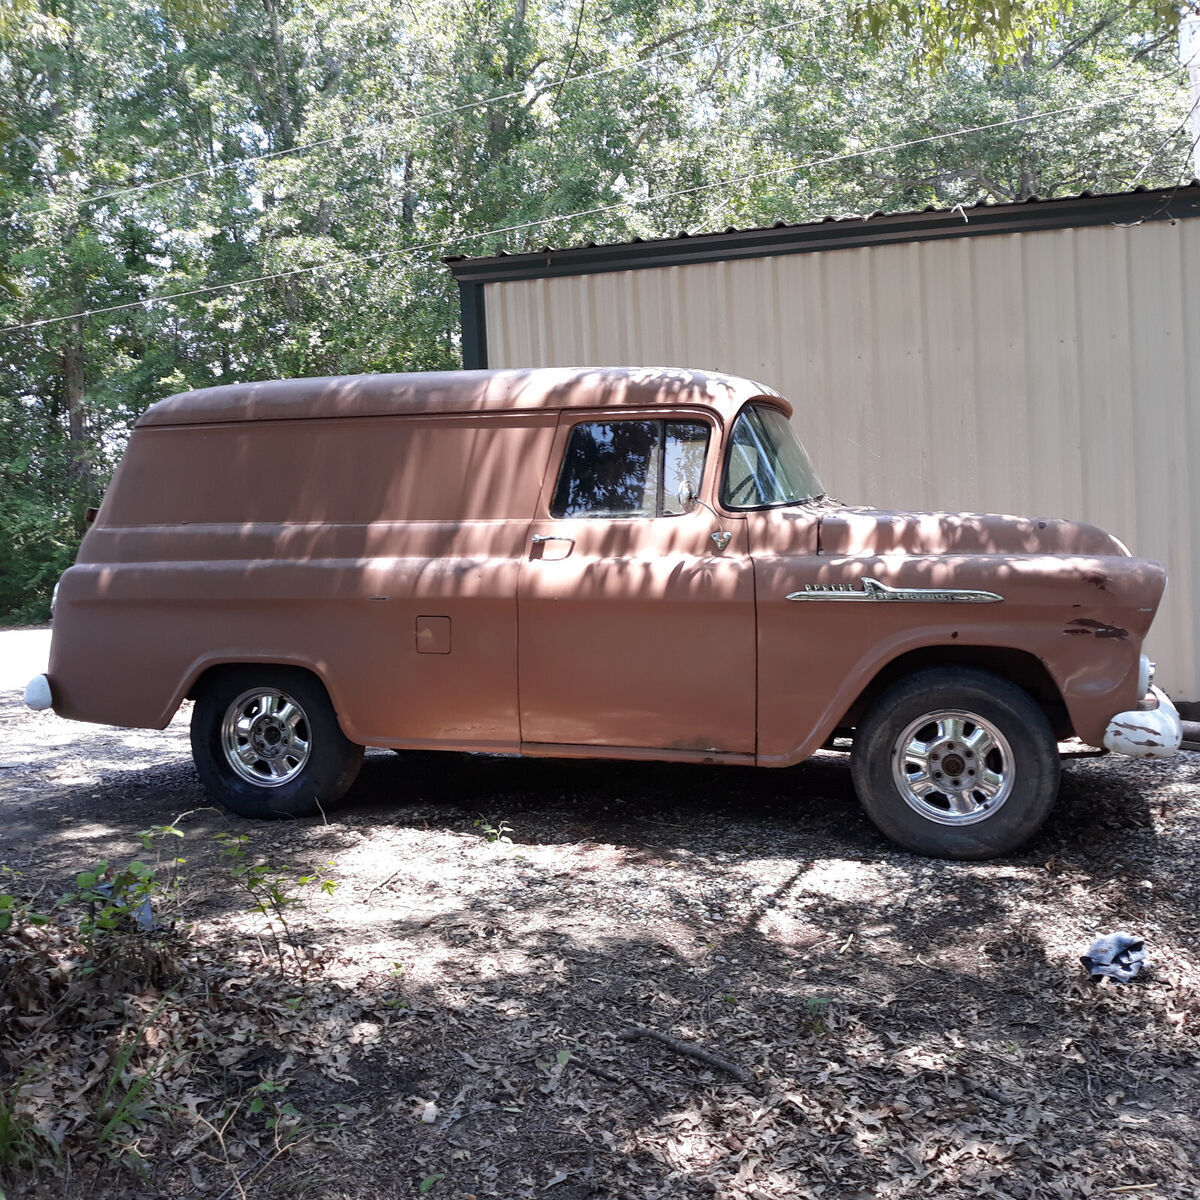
<point x="265" y="737"/>
<point x="953" y="767"/>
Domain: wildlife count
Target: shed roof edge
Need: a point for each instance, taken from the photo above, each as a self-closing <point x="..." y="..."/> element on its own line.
<point x="830" y="233"/>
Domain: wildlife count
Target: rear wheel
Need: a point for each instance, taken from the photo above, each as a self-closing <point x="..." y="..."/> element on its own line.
<point x="267" y="743"/>
<point x="956" y="763"/>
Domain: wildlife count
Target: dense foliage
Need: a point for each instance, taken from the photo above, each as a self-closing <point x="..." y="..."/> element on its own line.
<point x="162" y="148"/>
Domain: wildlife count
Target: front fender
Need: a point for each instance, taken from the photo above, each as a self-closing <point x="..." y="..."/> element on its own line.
<point x="1082" y="618"/>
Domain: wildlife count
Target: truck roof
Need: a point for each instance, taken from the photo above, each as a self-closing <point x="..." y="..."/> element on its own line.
<point x="538" y="388"/>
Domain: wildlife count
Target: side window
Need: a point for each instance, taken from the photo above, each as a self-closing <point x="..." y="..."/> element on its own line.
<point x="629" y="468"/>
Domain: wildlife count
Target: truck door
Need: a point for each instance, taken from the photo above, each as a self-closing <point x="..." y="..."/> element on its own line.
<point x="636" y="604"/>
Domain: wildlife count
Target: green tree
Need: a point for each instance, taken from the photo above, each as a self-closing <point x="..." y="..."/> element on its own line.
<point x="289" y="173"/>
<point x="1001" y="31"/>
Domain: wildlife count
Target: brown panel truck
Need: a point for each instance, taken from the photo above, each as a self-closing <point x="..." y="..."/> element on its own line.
<point x="594" y="563"/>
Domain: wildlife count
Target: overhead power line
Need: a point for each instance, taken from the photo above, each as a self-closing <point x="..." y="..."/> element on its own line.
<point x="429" y="115"/>
<point x="396" y="249"/>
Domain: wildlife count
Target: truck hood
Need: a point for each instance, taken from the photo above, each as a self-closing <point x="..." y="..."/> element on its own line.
<point x="866" y="531"/>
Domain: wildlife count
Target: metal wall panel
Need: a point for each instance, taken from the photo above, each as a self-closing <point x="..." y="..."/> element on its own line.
<point x="1054" y="373"/>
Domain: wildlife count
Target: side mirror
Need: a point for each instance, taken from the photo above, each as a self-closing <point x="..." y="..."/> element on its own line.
<point x="688" y="499"/>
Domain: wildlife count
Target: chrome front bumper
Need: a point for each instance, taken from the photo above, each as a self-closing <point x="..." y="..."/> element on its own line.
<point x="1146" y="732"/>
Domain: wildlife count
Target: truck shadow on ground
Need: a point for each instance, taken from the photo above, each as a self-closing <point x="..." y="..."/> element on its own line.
<point x="1103" y="823"/>
<point x="1102" y="814"/>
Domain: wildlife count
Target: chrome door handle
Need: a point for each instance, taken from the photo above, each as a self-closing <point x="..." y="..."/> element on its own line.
<point x="538" y="538"/>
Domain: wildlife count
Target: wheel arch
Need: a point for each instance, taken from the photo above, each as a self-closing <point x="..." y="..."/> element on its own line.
<point x="206" y="672"/>
<point x="211" y="668"/>
<point x="1019" y="667"/>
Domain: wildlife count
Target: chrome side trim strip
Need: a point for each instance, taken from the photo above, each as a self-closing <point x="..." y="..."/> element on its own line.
<point x="872" y="589"/>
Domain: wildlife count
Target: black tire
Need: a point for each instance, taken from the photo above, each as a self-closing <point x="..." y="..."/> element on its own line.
<point x="923" y="723"/>
<point x="306" y="763"/>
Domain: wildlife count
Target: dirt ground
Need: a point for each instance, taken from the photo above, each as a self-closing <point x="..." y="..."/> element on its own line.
<point x="470" y="1011"/>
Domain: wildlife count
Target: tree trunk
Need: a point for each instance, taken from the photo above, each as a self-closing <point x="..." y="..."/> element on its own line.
<point x="281" y="70"/>
<point x="408" y="202"/>
<point x="79" y="466"/>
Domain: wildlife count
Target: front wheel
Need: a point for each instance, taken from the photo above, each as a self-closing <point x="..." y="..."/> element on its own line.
<point x="266" y="743"/>
<point x="956" y="763"/>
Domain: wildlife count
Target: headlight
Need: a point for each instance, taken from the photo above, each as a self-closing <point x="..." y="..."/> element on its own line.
<point x="1145" y="675"/>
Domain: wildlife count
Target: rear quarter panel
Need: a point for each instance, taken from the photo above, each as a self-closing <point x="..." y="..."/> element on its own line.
<point x="314" y="543"/>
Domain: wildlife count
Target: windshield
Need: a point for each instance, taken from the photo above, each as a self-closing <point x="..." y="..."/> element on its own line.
<point x="766" y="464"/>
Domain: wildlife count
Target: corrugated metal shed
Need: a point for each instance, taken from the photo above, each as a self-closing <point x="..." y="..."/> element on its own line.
<point x="1038" y="358"/>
